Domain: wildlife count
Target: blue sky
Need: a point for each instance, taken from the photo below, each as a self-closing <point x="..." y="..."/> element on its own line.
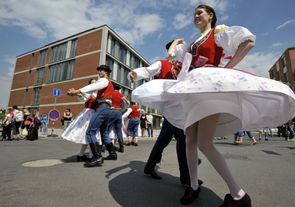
<point x="145" y="24"/>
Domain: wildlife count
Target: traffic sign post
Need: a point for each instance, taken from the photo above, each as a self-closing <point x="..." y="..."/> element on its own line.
<point x="54" y="114"/>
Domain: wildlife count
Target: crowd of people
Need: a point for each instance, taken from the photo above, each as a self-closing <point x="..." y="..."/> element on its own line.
<point x="20" y="124"/>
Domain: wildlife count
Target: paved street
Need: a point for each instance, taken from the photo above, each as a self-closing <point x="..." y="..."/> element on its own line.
<point x="266" y="172"/>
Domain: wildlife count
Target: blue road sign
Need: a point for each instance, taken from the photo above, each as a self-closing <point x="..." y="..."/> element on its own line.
<point x="53" y="115"/>
<point x="56" y="92"/>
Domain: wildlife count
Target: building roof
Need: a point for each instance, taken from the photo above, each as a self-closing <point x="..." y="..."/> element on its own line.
<point x="81" y="33"/>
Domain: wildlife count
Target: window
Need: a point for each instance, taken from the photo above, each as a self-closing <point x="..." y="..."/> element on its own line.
<point x="42" y="60"/>
<point x="136" y="63"/>
<point x="122" y="54"/>
<point x="59" y="52"/>
<point x="36" y="98"/>
<point x="61" y="71"/>
<point x="73" y="48"/>
<point x="109" y="62"/>
<point x="39" y="76"/>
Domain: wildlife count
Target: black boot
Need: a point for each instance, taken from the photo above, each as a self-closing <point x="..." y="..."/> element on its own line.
<point x="121" y="146"/>
<point x="154" y="158"/>
<point x="112" y="152"/>
<point x="190" y="195"/>
<point x="96" y="160"/>
<point x="230" y="202"/>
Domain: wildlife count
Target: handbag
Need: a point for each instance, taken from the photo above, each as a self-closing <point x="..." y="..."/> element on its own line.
<point x="24" y="132"/>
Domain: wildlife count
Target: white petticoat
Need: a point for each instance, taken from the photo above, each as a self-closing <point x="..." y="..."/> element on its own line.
<point x="76" y="131"/>
<point x="244" y="101"/>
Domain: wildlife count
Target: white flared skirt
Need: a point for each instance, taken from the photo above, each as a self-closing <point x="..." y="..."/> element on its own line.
<point x="76" y="131"/>
<point x="244" y="101"/>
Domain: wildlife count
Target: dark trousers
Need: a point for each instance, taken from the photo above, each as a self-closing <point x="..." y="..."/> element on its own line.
<point x="150" y="130"/>
<point x="7" y="132"/>
<point x="17" y="126"/>
<point x="115" y="122"/>
<point x="168" y="131"/>
<point x="99" y="121"/>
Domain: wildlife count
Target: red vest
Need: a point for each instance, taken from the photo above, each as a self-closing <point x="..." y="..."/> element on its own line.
<point x="117" y="101"/>
<point x="90" y="103"/>
<point x="107" y="92"/>
<point x="208" y="48"/>
<point x="135" y="114"/>
<point x="168" y="70"/>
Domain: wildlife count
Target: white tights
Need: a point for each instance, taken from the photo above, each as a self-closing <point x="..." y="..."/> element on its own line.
<point x="200" y="135"/>
<point x="83" y="149"/>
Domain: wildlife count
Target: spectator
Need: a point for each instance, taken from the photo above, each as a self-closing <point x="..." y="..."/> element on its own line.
<point x="67" y="117"/>
<point x="149" y="118"/>
<point x="143" y="124"/>
<point x="7" y="122"/>
<point x="18" y="119"/>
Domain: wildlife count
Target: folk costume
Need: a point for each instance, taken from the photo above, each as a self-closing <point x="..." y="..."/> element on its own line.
<point x="243" y="100"/>
<point x="115" y="120"/>
<point x="133" y="115"/>
<point x="100" y="118"/>
<point x="168" y="70"/>
<point x="76" y="131"/>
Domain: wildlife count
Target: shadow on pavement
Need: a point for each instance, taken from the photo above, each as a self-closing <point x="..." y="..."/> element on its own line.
<point x="133" y="189"/>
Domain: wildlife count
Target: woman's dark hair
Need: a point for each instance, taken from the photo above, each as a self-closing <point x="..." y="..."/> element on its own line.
<point x="209" y="9"/>
<point x="89" y="82"/>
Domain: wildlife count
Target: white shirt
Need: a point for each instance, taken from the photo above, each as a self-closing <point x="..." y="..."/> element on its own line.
<point x="147" y="72"/>
<point x="18" y="115"/>
<point x="98" y="85"/>
<point x="149" y="117"/>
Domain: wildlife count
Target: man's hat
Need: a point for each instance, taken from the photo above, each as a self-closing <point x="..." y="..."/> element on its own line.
<point x="104" y="68"/>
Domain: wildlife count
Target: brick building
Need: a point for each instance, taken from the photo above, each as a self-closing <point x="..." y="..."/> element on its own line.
<point x="70" y="63"/>
<point x="284" y="68"/>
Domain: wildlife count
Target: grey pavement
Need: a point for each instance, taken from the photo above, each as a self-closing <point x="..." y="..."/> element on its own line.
<point x="265" y="171"/>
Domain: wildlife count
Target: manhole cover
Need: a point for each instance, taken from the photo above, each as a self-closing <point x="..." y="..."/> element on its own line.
<point x="42" y="163"/>
<point x="235" y="156"/>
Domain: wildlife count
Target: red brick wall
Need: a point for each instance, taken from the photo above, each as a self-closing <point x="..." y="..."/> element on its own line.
<point x="89" y="42"/>
<point x="86" y="65"/>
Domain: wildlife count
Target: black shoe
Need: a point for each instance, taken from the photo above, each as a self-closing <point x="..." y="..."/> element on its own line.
<point x="149" y="169"/>
<point x="82" y="158"/>
<point x="135" y="144"/>
<point x="94" y="162"/>
<point x="230" y="202"/>
<point x="190" y="195"/>
<point x="111" y="157"/>
<point x="121" y="148"/>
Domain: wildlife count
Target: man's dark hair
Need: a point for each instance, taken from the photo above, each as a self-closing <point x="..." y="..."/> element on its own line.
<point x="169" y="44"/>
<point x="104" y="68"/>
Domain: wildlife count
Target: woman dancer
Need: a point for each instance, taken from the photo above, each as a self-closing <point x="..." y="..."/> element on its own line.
<point x="207" y="100"/>
<point x="76" y="131"/>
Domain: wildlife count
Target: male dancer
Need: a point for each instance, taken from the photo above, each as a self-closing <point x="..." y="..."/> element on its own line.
<point x="115" y="121"/>
<point x="100" y="118"/>
<point x="164" y="69"/>
<point x="133" y="114"/>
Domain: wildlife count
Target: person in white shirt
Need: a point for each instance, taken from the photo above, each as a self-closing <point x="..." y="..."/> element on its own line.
<point x="18" y="119"/>
<point x="150" y="130"/>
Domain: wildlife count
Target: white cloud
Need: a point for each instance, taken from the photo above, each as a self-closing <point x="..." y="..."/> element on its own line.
<point x="5" y="80"/>
<point x="277" y="44"/>
<point x="181" y="21"/>
<point x="66" y="17"/>
<point x="258" y="63"/>
<point x="285" y="24"/>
